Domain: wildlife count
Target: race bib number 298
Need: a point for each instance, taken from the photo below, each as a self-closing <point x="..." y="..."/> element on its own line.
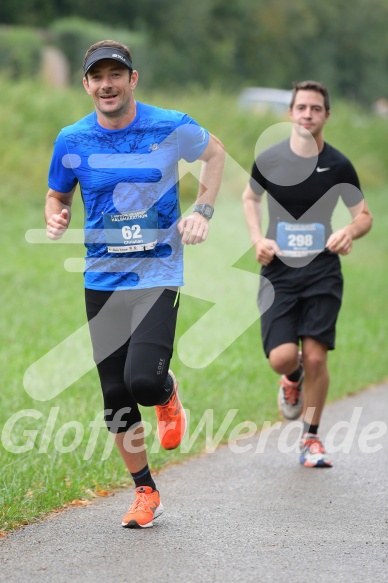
<point x="300" y="240"/>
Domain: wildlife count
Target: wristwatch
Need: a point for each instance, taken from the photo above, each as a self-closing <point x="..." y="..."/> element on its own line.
<point x="205" y="210"/>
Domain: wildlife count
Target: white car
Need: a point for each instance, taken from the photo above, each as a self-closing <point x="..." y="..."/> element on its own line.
<point x="265" y="99"/>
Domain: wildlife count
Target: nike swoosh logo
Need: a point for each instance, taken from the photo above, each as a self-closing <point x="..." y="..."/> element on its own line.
<point x="322" y="169"/>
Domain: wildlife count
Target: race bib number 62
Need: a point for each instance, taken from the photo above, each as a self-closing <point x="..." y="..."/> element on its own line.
<point x="132" y="231"/>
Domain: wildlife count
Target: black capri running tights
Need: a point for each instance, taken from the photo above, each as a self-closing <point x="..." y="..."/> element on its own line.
<point x="132" y="334"/>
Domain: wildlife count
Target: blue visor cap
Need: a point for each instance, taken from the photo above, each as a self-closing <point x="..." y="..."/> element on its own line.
<point x="107" y="53"/>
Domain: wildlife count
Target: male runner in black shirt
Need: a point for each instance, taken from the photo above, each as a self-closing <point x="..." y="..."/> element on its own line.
<point x="301" y="285"/>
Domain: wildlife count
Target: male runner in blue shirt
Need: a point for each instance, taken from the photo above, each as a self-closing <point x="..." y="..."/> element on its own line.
<point x="124" y="156"/>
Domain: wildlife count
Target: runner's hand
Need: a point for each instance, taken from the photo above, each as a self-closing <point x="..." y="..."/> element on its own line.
<point x="340" y="242"/>
<point x="57" y="224"/>
<point x="194" y="229"/>
<point x="266" y="249"/>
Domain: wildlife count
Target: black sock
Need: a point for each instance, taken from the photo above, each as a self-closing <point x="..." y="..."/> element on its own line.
<point x="296" y="375"/>
<point x="307" y="428"/>
<point x="143" y="478"/>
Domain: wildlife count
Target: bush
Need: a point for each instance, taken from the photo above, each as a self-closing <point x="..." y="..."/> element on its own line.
<point x="73" y="36"/>
<point x="20" y="51"/>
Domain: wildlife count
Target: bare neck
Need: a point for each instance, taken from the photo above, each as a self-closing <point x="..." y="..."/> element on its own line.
<point x="306" y="146"/>
<point x="119" y="120"/>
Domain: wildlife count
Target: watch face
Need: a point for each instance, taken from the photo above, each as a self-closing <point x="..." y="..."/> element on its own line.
<point x="205" y="210"/>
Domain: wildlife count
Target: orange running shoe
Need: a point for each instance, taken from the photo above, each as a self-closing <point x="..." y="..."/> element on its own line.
<point x="172" y="422"/>
<point x="145" y="508"/>
<point x="312" y="452"/>
<point x="290" y="396"/>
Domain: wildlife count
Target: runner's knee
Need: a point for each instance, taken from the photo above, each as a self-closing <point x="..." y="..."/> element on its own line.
<point x="148" y="390"/>
<point x="284" y="360"/>
<point x="315" y="362"/>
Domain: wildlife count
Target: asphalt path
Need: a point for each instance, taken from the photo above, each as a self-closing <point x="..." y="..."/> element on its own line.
<point x="246" y="512"/>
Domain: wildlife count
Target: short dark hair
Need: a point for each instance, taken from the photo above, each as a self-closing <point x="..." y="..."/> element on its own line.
<point x="109" y="44"/>
<point x="311" y="86"/>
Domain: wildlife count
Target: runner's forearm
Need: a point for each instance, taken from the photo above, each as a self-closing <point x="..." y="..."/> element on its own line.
<point x="211" y="172"/>
<point x="56" y="202"/>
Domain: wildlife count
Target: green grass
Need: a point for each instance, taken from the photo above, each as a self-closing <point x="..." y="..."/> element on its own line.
<point x="43" y="305"/>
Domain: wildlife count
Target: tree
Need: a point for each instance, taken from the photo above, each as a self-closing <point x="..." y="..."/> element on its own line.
<point x="247" y="42"/>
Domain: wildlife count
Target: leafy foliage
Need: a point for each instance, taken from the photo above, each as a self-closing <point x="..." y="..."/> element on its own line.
<point x="74" y="36"/>
<point x="218" y="43"/>
<point x="20" y="50"/>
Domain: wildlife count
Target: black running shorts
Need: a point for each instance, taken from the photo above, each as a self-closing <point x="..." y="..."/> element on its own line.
<point x="306" y="301"/>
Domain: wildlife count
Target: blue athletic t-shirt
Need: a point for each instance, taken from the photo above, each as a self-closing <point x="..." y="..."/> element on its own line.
<point x="126" y="173"/>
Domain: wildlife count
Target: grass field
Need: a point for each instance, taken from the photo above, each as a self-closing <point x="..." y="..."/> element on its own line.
<point x="56" y="451"/>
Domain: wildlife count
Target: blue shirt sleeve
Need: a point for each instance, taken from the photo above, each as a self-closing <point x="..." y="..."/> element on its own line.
<point x="192" y="139"/>
<point x="61" y="176"/>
